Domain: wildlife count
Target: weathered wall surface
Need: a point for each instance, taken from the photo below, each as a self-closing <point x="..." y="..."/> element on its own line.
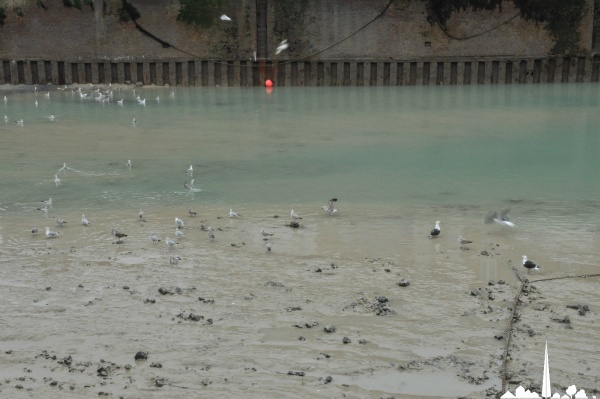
<point x="402" y="33"/>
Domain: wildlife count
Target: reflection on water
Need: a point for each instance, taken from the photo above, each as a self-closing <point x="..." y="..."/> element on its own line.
<point x="386" y="152"/>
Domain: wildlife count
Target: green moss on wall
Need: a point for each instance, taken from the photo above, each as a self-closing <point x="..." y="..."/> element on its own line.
<point x="203" y="13"/>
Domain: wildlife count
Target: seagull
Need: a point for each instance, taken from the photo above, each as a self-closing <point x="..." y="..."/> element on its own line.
<point x="233" y="214"/>
<point x="5" y="100"/>
<point x="141" y="213"/>
<point x="142" y="102"/>
<point x="36" y="103"/>
<point x="64" y="167"/>
<point x="294" y="215"/>
<point x="44" y="210"/>
<point x="118" y="234"/>
<point x="529" y="264"/>
<point x="84" y="221"/>
<point x="19" y="122"/>
<point x="120" y="102"/>
<point x="60" y="221"/>
<point x="34" y="230"/>
<point x="268" y="246"/>
<point x="211" y="234"/>
<point x="47" y="95"/>
<point x="172" y="94"/>
<point x="179" y="222"/>
<point x="503" y="219"/>
<point x="5" y="118"/>
<point x="190" y="170"/>
<point x="134" y="122"/>
<point x="157" y="99"/>
<point x="52" y="118"/>
<point x="174" y="260"/>
<point x="463" y="241"/>
<point x="191" y="212"/>
<point x="50" y="233"/>
<point x="189" y="186"/>
<point x="154" y="237"/>
<point x="129" y="163"/>
<point x="57" y="181"/>
<point x="223" y="18"/>
<point x="179" y="233"/>
<point x="170" y="242"/>
<point x="47" y="202"/>
<point x="282" y="46"/>
<point x="330" y="208"/>
<point x="436" y="230"/>
<point x="266" y="233"/>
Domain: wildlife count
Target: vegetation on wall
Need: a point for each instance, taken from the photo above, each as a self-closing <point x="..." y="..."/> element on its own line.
<point x="127" y="12"/>
<point x="2" y="15"/>
<point x="562" y="18"/>
<point x="200" y="12"/>
<point x="289" y="15"/>
<point x="77" y="3"/>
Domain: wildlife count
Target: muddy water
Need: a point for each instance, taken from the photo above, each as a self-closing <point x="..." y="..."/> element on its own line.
<point x="262" y="315"/>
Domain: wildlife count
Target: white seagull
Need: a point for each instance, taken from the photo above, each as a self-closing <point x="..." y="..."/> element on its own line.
<point x="154" y="237"/>
<point x="294" y="215"/>
<point x="502" y="219"/>
<point x="5" y="118"/>
<point x="436" y="230"/>
<point x="57" y="181"/>
<point x="190" y="170"/>
<point x="189" y="186"/>
<point x="129" y="163"/>
<point x="266" y="233"/>
<point x="233" y="214"/>
<point x="223" y="18"/>
<point x="330" y="207"/>
<point x="44" y="210"/>
<point x="52" y="118"/>
<point x="192" y="212"/>
<point x="120" y="102"/>
<point x="170" y="242"/>
<point x="211" y="233"/>
<point x="84" y="221"/>
<point x="179" y="222"/>
<point x="529" y="264"/>
<point x="48" y="202"/>
<point x="134" y="122"/>
<point x="50" y="233"/>
<point x="19" y="122"/>
<point x="60" y="221"/>
<point x="174" y="260"/>
<point x="179" y="233"/>
<point x="463" y="241"/>
<point x="282" y="46"/>
<point x="141" y="213"/>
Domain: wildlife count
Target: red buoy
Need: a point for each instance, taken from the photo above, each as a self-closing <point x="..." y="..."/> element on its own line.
<point x="268" y="83"/>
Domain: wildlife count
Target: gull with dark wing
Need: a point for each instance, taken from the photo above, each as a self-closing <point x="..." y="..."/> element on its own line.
<point x="330" y="207"/>
<point x="436" y="230"/>
<point x="118" y="234"/>
<point x="34" y="230"/>
<point x="529" y="264"/>
<point x="211" y="233"/>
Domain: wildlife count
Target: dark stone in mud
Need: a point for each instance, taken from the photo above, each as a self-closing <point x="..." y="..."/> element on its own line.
<point x="501" y="282"/>
<point x="301" y="338"/>
<point x="127" y="367"/>
<point x="318" y="270"/>
<point x="581" y="309"/>
<point x="292" y="308"/>
<point x="156" y="365"/>
<point x="382" y="299"/>
<point x="346" y="340"/>
<point x="298" y="373"/>
<point x="476" y="292"/>
<point x="403" y="283"/>
<point x="499" y="337"/>
<point x="362" y="341"/>
<point x="103" y="371"/>
<point x="148" y="300"/>
<point x="159" y="382"/>
<point x="141" y="355"/>
<point x="170" y="291"/>
<point x="328" y="379"/>
<point x="8" y="352"/>
<point x="329" y="328"/>
<point x="125" y="287"/>
<point x="294" y="225"/>
<point x="204" y="300"/>
<point x="67" y="360"/>
<point x="484" y="253"/>
<point x="48" y="288"/>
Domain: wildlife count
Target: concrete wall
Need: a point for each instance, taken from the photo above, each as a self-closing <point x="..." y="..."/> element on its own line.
<point x="65" y="45"/>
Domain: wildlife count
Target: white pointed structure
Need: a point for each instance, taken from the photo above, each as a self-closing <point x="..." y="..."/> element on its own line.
<point x="546" y="389"/>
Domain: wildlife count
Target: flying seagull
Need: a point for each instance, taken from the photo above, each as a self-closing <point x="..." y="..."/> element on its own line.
<point x="225" y="18"/>
<point x="502" y="219"/>
<point x="282" y="46"/>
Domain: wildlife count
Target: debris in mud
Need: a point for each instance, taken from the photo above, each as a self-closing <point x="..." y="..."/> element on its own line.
<point x="204" y="300"/>
<point x="307" y="325"/>
<point x="67" y="360"/>
<point x="329" y="328"/>
<point x="274" y="284"/>
<point x="156" y="365"/>
<point x="582" y="309"/>
<point x="379" y="305"/>
<point x="190" y="316"/>
<point x="292" y="308"/>
<point x="346" y="340"/>
<point x="293" y="224"/>
<point x="159" y="382"/>
<point x="485" y="253"/>
<point x="103" y="371"/>
<point x="170" y="291"/>
<point x="298" y="373"/>
<point x="141" y="356"/>
<point x="328" y="379"/>
<point x="148" y="300"/>
<point x="565" y="320"/>
<point x="404" y="283"/>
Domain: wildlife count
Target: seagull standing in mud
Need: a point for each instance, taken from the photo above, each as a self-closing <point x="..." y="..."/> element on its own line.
<point x="211" y="233"/>
<point x="50" y="233"/>
<point x="192" y="212"/>
<point x="266" y="233"/>
<point x="179" y="233"/>
<point x="174" y="259"/>
<point x="189" y="186"/>
<point x="141" y="214"/>
<point x="129" y="163"/>
<point x="84" y="221"/>
<point x="294" y="215"/>
<point x="170" y="242"/>
<point x="60" y="221"/>
<point x="34" y="230"/>
<point x="233" y="214"/>
<point x="330" y="207"/>
<point x="179" y="223"/>
<point x="118" y="234"/>
<point x="529" y="264"/>
<point x="57" y="181"/>
<point x="463" y="241"/>
<point x="154" y="237"/>
<point x="436" y="230"/>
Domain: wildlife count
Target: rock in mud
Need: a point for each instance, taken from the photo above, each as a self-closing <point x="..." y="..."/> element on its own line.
<point x="403" y="283"/>
<point x="346" y="340"/>
<point x="329" y="328"/>
<point x="141" y="355"/>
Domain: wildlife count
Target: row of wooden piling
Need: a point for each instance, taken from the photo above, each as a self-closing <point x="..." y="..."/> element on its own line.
<point x="304" y="73"/>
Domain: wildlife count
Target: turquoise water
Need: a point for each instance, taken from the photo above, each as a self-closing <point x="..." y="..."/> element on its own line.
<point x="403" y="148"/>
<point x="409" y="145"/>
